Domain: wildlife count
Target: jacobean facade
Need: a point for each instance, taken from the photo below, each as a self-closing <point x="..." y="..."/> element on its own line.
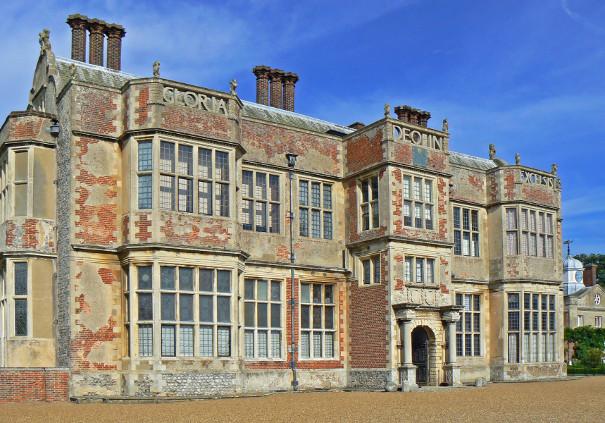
<point x="146" y="241"/>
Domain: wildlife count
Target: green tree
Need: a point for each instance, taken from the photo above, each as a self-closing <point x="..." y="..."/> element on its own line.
<point x="585" y="339"/>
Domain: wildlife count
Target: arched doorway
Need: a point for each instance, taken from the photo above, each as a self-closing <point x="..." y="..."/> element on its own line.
<point x="421" y="342"/>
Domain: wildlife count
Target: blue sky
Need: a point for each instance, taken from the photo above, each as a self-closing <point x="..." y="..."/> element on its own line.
<point x="526" y="75"/>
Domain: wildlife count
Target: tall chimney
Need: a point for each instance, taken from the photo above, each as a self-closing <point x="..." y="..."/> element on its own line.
<point x="115" y="33"/>
<point x="411" y="115"/>
<point x="277" y="88"/>
<point x="590" y="275"/>
<point x="96" y="28"/>
<point x="262" y="84"/>
<point x="78" y="24"/>
<point x="289" y="81"/>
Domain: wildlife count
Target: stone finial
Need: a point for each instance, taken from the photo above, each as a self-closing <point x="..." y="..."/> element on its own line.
<point x="553" y="169"/>
<point x="44" y="40"/>
<point x="517" y="159"/>
<point x="72" y="70"/>
<point x="156" y="69"/>
<point x="387" y="110"/>
<point x="445" y="126"/>
<point x="233" y="87"/>
<point x="492" y="151"/>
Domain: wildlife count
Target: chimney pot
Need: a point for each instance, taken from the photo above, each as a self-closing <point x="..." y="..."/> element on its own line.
<point x="262" y="84"/>
<point x="78" y="24"/>
<point x="289" y="85"/>
<point x="411" y="115"/>
<point x="276" y="88"/>
<point x="114" y="33"/>
<point x="97" y="29"/>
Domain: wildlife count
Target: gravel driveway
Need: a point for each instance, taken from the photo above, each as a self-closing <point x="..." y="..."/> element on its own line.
<point x="572" y="401"/>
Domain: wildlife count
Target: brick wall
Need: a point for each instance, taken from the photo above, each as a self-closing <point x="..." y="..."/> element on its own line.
<point x="34" y="384"/>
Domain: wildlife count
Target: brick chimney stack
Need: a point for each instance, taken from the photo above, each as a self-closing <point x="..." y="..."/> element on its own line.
<point x="277" y="97"/>
<point x="114" y="33"/>
<point x="289" y="85"/>
<point x="590" y="275"/>
<point x="411" y="115"/>
<point x="95" y="45"/>
<point x="78" y="24"/>
<point x="262" y="84"/>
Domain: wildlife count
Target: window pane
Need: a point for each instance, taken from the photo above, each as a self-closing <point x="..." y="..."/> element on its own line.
<point x="466" y="219"/>
<point x="329" y="317"/>
<point x="224" y="281"/>
<point x="186" y="307"/>
<point x="317" y="294"/>
<point x="304" y="317"/>
<point x="249" y="343"/>
<point x="205" y="198"/>
<point x="223" y="305"/>
<point x="247" y="183"/>
<point x="406" y="187"/>
<point x="315" y="223"/>
<point x="274" y="218"/>
<point x="168" y="341"/>
<point x="186" y="278"/>
<point x="222" y="199"/>
<point x="166" y="157"/>
<point x="167" y="275"/>
<point x="186" y="195"/>
<point x="224" y="341"/>
<point x="376" y="265"/>
<point x="275" y="344"/>
<point x="20" y="278"/>
<point x="186" y="341"/>
<point x="246" y="215"/>
<point x="275" y="315"/>
<point x="329" y="289"/>
<point x="274" y="187"/>
<point x="205" y="163"/>
<point x="305" y="293"/>
<point x="20" y="199"/>
<point x="166" y="192"/>
<point x="145" y="307"/>
<point x="206" y="280"/>
<point x="329" y="344"/>
<point x="305" y="345"/>
<point x="315" y="194"/>
<point x="249" y="289"/>
<point x="303" y="193"/>
<point x="145" y="340"/>
<point x="275" y="291"/>
<point x="20" y="317"/>
<point x="261" y="217"/>
<point x="168" y="307"/>
<point x="206" y="309"/>
<point x="304" y="222"/>
<point x="457" y="217"/>
<point x="317" y="344"/>
<point x="417" y="190"/>
<point x="261" y="315"/>
<point x="185" y="166"/>
<point x="317" y="317"/>
<point x="374" y="187"/>
<point x="249" y="314"/>
<point x="327" y="225"/>
<point x="145" y="191"/>
<point x="222" y="166"/>
<point x="262" y="288"/>
<point x="145" y="156"/>
<point x="206" y="344"/>
<point x="428" y="191"/>
<point x="367" y="274"/>
<point x="327" y="196"/>
<point x="261" y="186"/>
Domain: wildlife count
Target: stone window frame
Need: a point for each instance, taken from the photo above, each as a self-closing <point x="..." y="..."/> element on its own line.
<point x="523" y="229"/>
<point x="271" y="329"/>
<point x="580" y="320"/>
<point x="472" y="316"/>
<point x="410" y="261"/>
<point x="460" y="230"/>
<point x="546" y="341"/>
<point x="598" y="321"/>
<point x="322" y="330"/>
<point x="4" y="188"/>
<point x="133" y="323"/>
<point x="272" y="227"/>
<point x="14" y="297"/>
<point x="413" y="199"/>
<point x="324" y="209"/>
<point x="195" y="176"/>
<point x="368" y="263"/>
<point x="372" y="205"/>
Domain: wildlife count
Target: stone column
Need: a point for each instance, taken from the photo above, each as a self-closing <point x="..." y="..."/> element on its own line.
<point x="78" y="24"/>
<point x="115" y="33"/>
<point x="95" y="45"/>
<point x="262" y="84"/>
<point x="452" y="369"/>
<point x="407" y="371"/>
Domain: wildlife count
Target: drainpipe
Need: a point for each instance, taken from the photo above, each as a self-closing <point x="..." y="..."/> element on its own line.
<point x="291" y="157"/>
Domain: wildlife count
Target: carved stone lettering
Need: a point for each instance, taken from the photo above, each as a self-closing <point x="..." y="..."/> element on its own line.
<point x="194" y="100"/>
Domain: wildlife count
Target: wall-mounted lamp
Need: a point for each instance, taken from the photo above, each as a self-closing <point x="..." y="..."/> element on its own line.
<point x="291" y="159"/>
<point x="55" y="128"/>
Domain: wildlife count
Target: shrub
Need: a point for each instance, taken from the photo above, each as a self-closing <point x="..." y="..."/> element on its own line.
<point x="593" y="357"/>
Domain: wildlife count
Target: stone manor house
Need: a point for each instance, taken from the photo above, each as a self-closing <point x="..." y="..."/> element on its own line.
<point x="146" y="227"/>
